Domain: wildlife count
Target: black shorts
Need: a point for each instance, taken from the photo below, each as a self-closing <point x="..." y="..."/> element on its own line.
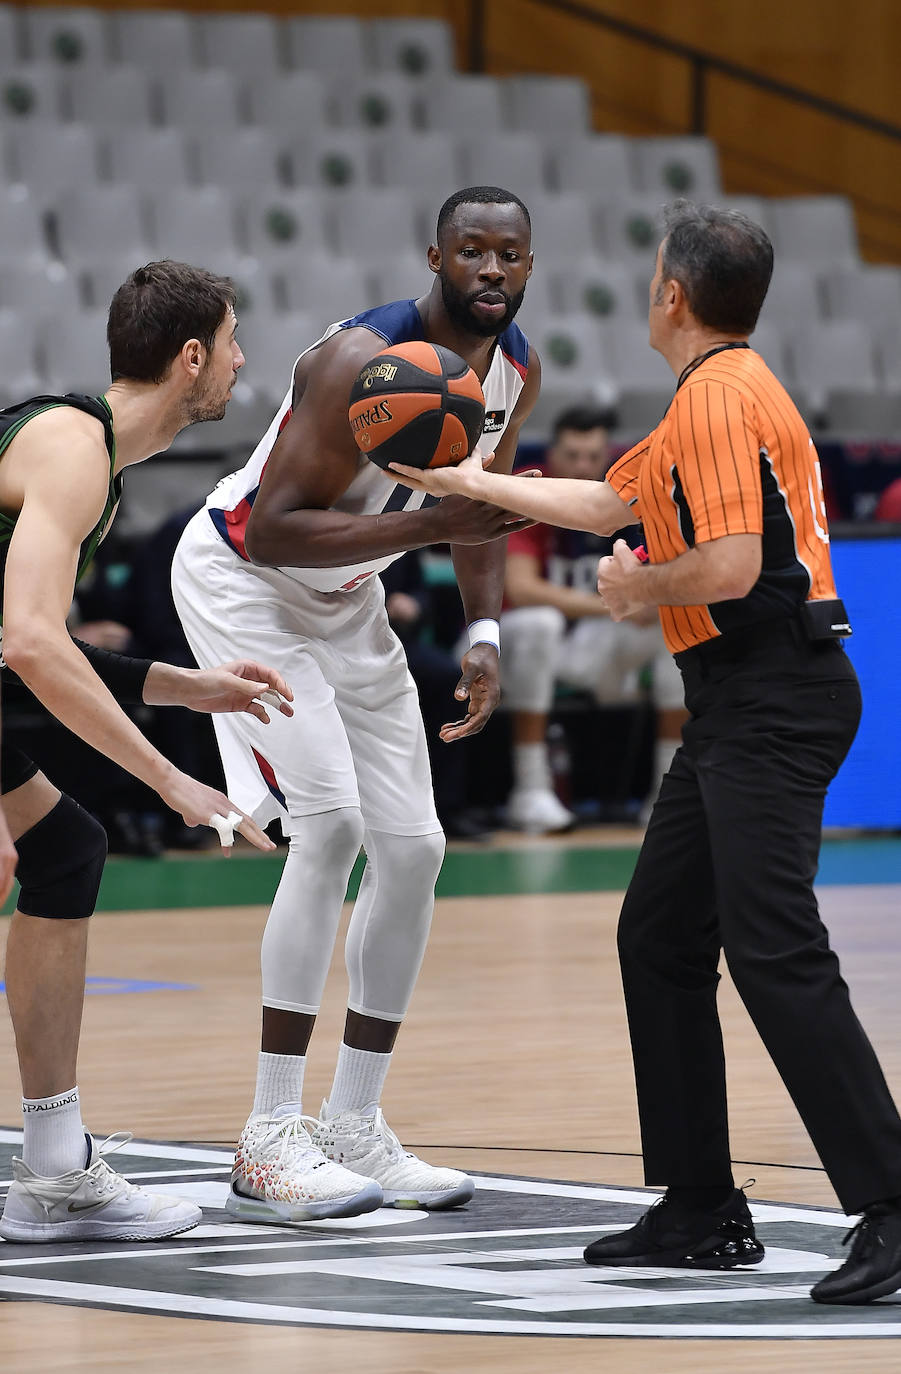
<point x="15" y="766"/>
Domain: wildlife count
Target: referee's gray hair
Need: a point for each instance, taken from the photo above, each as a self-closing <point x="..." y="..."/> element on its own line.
<point x="722" y="260"/>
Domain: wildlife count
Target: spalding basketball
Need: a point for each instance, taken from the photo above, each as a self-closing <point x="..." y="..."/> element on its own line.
<point x="418" y="404"/>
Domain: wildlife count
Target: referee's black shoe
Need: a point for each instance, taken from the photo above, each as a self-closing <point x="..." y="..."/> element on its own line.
<point x="873" y="1268"/>
<point x="671" y="1235"/>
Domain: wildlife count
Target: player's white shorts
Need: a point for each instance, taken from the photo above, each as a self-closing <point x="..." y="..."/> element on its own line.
<point x="356" y="737"/>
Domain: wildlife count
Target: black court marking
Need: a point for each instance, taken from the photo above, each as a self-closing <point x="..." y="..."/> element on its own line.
<point x="508" y="1264"/>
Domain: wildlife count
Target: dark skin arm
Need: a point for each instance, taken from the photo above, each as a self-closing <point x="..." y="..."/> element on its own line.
<point x="314" y="461"/>
<point x="480" y="574"/>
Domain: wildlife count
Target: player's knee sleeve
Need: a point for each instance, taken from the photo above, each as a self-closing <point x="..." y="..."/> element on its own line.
<point x="303" y="922"/>
<point x="531" y="638"/>
<point x="389" y="927"/>
<point x="60" y="863"/>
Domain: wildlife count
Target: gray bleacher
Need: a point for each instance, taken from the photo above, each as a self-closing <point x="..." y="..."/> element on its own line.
<point x="307" y="157"/>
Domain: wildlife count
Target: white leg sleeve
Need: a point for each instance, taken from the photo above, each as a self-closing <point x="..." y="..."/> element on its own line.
<point x="303" y="922"/>
<point x="530" y="640"/>
<point x="390" y="923"/>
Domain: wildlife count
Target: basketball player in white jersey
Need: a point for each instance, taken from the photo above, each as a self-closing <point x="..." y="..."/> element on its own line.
<point x="285" y="556"/>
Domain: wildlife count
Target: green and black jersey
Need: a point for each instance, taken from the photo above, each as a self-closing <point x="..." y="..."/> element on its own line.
<point x="14" y="418"/>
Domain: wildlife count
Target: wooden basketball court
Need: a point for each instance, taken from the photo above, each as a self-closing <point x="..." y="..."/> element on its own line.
<point x="514" y="1062"/>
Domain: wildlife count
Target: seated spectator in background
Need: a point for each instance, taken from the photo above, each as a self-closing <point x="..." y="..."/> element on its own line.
<point x="555" y="630"/>
<point x="888" y="507"/>
<point x="436" y="673"/>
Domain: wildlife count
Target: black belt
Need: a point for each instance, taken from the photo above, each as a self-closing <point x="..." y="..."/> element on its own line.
<point x="736" y="645"/>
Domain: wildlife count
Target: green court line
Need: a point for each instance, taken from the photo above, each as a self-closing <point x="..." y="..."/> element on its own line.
<point x="247" y="879"/>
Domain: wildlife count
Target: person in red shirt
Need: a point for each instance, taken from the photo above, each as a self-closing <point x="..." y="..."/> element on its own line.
<point x="556" y="629"/>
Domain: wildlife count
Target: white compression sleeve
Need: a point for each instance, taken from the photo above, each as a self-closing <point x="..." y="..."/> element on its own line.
<point x="389" y="927"/>
<point x="303" y="922"/>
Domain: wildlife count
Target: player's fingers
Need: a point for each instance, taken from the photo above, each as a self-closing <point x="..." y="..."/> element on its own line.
<point x="412" y="477"/>
<point x="276" y="698"/>
<point x="252" y="832"/>
<point x="274" y="684"/>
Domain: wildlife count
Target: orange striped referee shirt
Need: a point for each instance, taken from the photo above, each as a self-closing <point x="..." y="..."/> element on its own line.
<point x="732" y="456"/>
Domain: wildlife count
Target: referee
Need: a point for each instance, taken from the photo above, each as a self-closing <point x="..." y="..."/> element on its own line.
<point x="728" y="491"/>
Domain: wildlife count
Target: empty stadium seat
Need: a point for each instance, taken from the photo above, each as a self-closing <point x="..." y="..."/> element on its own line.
<point x="277" y="228"/>
<point x="632" y="228"/>
<point x="100" y="219"/>
<point x="598" y="165"/>
<point x="199" y="99"/>
<point x="673" y="167"/>
<point x="813" y="229"/>
<point x="793" y="297"/>
<point x="327" y="289"/>
<point x="49" y="157"/>
<point x="20" y="376"/>
<point x="241" y="159"/>
<point x="463" y="104"/>
<point x="155" y="159"/>
<point x="600" y="287"/>
<point x="859" y="292"/>
<point x="338" y="159"/>
<point x="376" y="102"/>
<point x="326" y="44"/>
<point x="191" y="222"/>
<point x="157" y="40"/>
<point x="23" y="236"/>
<point x="247" y="42"/>
<point x="645" y="381"/>
<point x="417" y="47"/>
<point x="562" y="228"/>
<point x="293" y="104"/>
<point x="368" y="224"/>
<point x="33" y="90"/>
<point x="401" y="277"/>
<point x="70" y="37"/>
<point x="834" y="357"/>
<point x="553" y="106"/>
<point x="423" y="162"/>
<point x="74" y="352"/>
<point x="272" y="347"/>
<point x="514" y="161"/>
<point x="109" y="95"/>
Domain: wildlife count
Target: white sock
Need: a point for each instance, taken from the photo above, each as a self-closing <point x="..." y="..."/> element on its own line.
<point x="530" y="767"/>
<point x="54" y="1140"/>
<point x="279" y="1080"/>
<point x="359" y="1080"/>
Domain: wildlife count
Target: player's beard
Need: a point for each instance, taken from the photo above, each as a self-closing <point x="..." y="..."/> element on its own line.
<point x="207" y="401"/>
<point x="459" y="308"/>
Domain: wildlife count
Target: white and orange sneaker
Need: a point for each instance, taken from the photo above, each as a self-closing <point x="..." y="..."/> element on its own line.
<point x="94" y="1203"/>
<point x="281" y="1176"/>
<point x="364" y="1142"/>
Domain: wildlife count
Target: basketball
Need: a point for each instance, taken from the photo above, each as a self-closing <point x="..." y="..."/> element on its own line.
<point x="418" y="404"/>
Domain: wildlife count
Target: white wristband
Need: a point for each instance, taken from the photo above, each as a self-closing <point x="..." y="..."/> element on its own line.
<point x="485" y="632"/>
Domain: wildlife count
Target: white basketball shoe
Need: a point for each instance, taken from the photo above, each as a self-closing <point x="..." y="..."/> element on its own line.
<point x="281" y="1176"/>
<point x="94" y="1203"/>
<point x="538" y="811"/>
<point x="364" y="1142"/>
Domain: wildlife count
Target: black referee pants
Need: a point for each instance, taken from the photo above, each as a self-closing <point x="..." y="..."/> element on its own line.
<point x="728" y="863"/>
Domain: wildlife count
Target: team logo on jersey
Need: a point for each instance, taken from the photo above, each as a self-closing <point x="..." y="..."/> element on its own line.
<point x="385" y="372"/>
<point x="510" y="1263"/>
<point x="494" y="421"/>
